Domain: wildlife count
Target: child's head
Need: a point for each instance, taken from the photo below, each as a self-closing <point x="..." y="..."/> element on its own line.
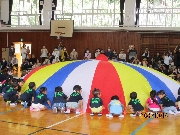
<point x="21" y="82"/>
<point x="9" y="71"/>
<point x="9" y="79"/>
<point x="115" y="97"/>
<point x="96" y="92"/>
<point x="32" y="85"/>
<point x="152" y="93"/>
<point x="14" y="80"/>
<point x="133" y="95"/>
<point x="58" y="89"/>
<point x="43" y="90"/>
<point x="15" y="85"/>
<point x="179" y="91"/>
<point x="77" y="88"/>
<point x="161" y="94"/>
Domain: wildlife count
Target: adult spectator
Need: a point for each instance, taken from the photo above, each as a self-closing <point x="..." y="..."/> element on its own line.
<point x="74" y="54"/>
<point x="14" y="62"/>
<point x="167" y="60"/>
<point x="60" y="47"/>
<point x="26" y="65"/>
<point x="109" y="53"/>
<point x="97" y="52"/>
<point x="144" y="62"/>
<point x="33" y="60"/>
<point x="152" y="63"/>
<point x="55" y="54"/>
<point x="177" y="51"/>
<point x="28" y="52"/>
<point x="65" y="55"/>
<point x="122" y="55"/>
<point x="146" y="54"/>
<point x="44" y="53"/>
<point x="3" y="64"/>
<point x="24" y="53"/>
<point x="87" y="55"/>
<point x="11" y="51"/>
<point x="114" y="55"/>
<point x="46" y="62"/>
<point x="132" y="52"/>
<point x="157" y="58"/>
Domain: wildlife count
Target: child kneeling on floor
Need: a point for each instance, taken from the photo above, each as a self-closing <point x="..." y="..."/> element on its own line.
<point x="28" y="96"/>
<point x="167" y="105"/>
<point x="96" y="103"/>
<point x="134" y="105"/>
<point x="75" y="100"/>
<point x="39" y="100"/>
<point x="11" y="96"/>
<point x="152" y="103"/>
<point x="59" y="100"/>
<point x="178" y="101"/>
<point x="115" y="107"/>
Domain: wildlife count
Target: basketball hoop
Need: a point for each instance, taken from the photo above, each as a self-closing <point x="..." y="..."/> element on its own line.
<point x="59" y="34"/>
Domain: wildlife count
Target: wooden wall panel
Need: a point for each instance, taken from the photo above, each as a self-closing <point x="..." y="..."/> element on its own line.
<point x="159" y="42"/>
<point x="3" y="42"/>
<point x="80" y="41"/>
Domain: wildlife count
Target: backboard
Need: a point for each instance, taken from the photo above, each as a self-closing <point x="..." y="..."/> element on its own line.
<point x="66" y="27"/>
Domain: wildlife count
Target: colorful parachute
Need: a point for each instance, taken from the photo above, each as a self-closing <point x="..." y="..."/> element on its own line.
<point x="112" y="78"/>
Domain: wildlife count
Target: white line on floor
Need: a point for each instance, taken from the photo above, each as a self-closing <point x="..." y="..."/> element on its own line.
<point x="64" y="121"/>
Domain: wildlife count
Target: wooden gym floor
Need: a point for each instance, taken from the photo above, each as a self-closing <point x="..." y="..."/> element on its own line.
<point x="20" y="121"/>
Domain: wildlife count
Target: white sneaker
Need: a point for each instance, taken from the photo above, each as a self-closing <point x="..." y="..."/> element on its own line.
<point x="107" y="115"/>
<point x="77" y="113"/>
<point x="68" y="111"/>
<point x="92" y="114"/>
<point x="176" y="112"/>
<point x="13" y="104"/>
<point x="171" y="112"/>
<point x="62" y="110"/>
<point x="55" y="110"/>
<point x="133" y="115"/>
<point x="110" y="116"/>
<point x="22" y="103"/>
<point x="99" y="114"/>
<point x="121" y="116"/>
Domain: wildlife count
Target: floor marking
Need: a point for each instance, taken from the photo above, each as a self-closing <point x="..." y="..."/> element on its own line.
<point x="141" y="126"/>
<point x="9" y="111"/>
<point x="58" y="124"/>
<point x="63" y="121"/>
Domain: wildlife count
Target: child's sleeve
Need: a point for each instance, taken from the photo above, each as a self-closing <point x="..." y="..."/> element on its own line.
<point x="90" y="102"/>
<point x="46" y="98"/>
<point x="101" y="101"/>
<point x="80" y="97"/>
<point x="130" y="103"/>
<point x="178" y="99"/>
<point x="147" y="101"/>
<point x="65" y="96"/>
<point x="34" y="93"/>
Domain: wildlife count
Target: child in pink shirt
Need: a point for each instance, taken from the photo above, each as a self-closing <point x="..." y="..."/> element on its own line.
<point x="152" y="102"/>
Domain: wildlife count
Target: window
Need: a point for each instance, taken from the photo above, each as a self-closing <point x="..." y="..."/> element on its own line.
<point x="24" y="12"/>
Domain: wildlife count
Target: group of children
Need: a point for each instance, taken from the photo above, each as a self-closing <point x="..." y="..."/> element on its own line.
<point x="61" y="102"/>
